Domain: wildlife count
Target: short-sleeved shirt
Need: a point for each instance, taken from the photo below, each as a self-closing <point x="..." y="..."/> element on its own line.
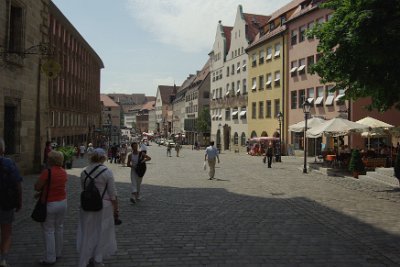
<point x="10" y="167"/>
<point x="106" y="178"/>
<point x="211" y="152"/>
<point x="58" y="181"/>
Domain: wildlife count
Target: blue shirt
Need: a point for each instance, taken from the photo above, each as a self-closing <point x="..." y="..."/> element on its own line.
<point x="211" y="152"/>
<point x="9" y="166"/>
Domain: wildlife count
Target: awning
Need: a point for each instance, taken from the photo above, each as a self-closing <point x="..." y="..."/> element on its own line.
<point x="220" y="117"/>
<point x="293" y="69"/>
<point x="235" y="113"/>
<point x="277" y="79"/>
<point x="277" y="53"/>
<point x="227" y="93"/>
<point x="319" y="99"/>
<point x="269" y="57"/>
<point x="238" y="91"/>
<point x="310" y="100"/>
<point x="242" y="113"/>
<point x="244" y="66"/>
<point x="254" y="87"/>
<point x="329" y="100"/>
<point x="238" y="68"/>
<point x="302" y="67"/>
<point x="339" y="97"/>
<point x="268" y="83"/>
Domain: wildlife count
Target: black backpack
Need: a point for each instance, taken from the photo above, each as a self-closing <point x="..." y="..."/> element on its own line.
<point x="9" y="196"/>
<point x="91" y="200"/>
<point x="141" y="165"/>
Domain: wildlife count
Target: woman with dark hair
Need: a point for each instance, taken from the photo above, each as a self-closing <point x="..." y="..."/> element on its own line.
<point x="134" y="159"/>
<point x="96" y="230"/>
<point x="53" y="227"/>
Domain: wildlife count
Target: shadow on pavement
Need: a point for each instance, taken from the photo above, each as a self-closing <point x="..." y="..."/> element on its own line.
<point x="212" y="226"/>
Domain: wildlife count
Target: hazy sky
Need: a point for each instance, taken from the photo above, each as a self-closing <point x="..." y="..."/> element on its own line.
<point x="144" y="43"/>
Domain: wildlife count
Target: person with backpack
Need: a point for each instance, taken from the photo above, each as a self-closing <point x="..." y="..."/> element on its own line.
<point x="10" y="200"/>
<point x="96" y="238"/>
<point x="137" y="162"/>
<point x="52" y="181"/>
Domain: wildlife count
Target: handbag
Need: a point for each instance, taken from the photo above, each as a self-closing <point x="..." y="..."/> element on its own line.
<point x="39" y="213"/>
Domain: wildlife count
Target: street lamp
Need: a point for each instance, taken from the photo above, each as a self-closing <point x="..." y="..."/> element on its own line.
<point x="306" y="111"/>
<point x="280" y="119"/>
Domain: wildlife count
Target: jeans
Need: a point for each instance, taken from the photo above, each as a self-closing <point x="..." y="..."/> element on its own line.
<point x="53" y="230"/>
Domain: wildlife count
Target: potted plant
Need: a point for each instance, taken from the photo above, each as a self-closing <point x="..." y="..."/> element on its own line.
<point x="356" y="165"/>
<point x="68" y="152"/>
<point x="397" y="167"/>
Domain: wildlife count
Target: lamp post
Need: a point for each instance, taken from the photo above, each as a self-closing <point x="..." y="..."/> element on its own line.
<point x="306" y="111"/>
<point x="280" y="119"/>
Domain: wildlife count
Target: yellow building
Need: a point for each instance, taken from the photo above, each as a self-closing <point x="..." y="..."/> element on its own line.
<point x="267" y="76"/>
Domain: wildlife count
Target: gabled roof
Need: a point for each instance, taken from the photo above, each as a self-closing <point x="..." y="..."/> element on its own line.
<point x="188" y="81"/>
<point x="267" y="36"/>
<point x="254" y="24"/>
<point x="291" y="5"/>
<point x="149" y="105"/>
<point x="227" y="32"/>
<point x="201" y="75"/>
<point x="166" y="91"/>
<point x="107" y="101"/>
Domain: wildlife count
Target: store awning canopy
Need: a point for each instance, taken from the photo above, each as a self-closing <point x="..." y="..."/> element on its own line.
<point x="336" y="127"/>
<point x="299" y="127"/>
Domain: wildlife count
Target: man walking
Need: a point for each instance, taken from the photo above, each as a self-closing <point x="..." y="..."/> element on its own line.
<point x="211" y="155"/>
<point x="269" y="153"/>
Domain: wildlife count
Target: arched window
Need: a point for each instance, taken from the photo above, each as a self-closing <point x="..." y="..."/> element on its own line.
<point x="264" y="134"/>
<point x="243" y="139"/>
<point x="253" y="134"/>
<point x="236" y="139"/>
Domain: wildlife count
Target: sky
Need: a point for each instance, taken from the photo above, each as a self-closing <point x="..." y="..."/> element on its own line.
<point x="146" y="43"/>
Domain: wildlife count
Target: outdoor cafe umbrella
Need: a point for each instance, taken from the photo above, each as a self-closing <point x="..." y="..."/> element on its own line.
<point x="336" y="127"/>
<point x="299" y="127"/>
<point x="376" y="128"/>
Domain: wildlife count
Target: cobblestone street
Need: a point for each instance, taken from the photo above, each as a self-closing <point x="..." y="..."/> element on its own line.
<point x="249" y="216"/>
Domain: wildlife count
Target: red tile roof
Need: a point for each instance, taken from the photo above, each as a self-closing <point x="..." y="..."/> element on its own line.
<point x="291" y="5"/>
<point x="201" y="75"/>
<point x="149" y="105"/>
<point x="166" y="91"/>
<point x="227" y="31"/>
<point x="254" y="24"/>
<point x="107" y="101"/>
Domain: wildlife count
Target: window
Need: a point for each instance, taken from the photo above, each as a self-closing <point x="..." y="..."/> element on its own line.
<point x="15" y="39"/>
<point x="277" y="50"/>
<point x="261" y="82"/>
<point x="254" y="60"/>
<point x="283" y="20"/>
<point x="243" y="112"/>
<point x="269" y="108"/>
<point x="293" y="68"/>
<point x="318" y="56"/>
<point x="302" y="97"/>
<point x="269" y="80"/>
<point x="330" y="95"/>
<point x="227" y="90"/>
<point x="277" y="80"/>
<point x="310" y="27"/>
<point x="302" y="66"/>
<point x="233" y="69"/>
<point x="293" y="99"/>
<point x="227" y="71"/>
<point x="302" y="36"/>
<point x="236" y="138"/>
<point x="341" y="93"/>
<point x="271" y="26"/>
<point x="238" y="88"/>
<point x="244" y="65"/>
<point x="261" y="109"/>
<point x="228" y="114"/>
<point x="253" y="110"/>
<point x="12" y="121"/>
<point x="235" y="114"/>
<point x="293" y="37"/>
<point x="310" y="95"/>
<point x="254" y="84"/>
<point x="243" y="139"/>
<point x="320" y="20"/>
<point x="269" y="53"/>
<point x="238" y="68"/>
<point x="277" y="107"/>
<point x="320" y="95"/>
<point x="261" y="59"/>
<point x="244" y="86"/>
<point x="310" y="62"/>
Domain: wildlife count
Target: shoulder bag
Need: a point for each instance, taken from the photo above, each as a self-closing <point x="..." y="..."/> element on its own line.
<point x="39" y="213"/>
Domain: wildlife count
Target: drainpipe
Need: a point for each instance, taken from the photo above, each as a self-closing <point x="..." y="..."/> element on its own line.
<point x="285" y="116"/>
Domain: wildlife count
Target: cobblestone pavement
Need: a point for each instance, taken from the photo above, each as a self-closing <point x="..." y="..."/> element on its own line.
<point x="249" y="216"/>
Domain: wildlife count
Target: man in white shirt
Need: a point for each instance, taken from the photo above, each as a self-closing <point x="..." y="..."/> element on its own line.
<point x="211" y="155"/>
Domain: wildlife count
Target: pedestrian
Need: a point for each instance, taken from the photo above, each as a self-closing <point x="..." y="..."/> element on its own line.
<point x="10" y="200"/>
<point x="169" y="148"/>
<point x="211" y="156"/>
<point x="136" y="181"/>
<point x="122" y="154"/>
<point x="46" y="151"/>
<point x="82" y="150"/>
<point x="177" y="149"/>
<point x="114" y="153"/>
<point x="248" y="147"/>
<point x="56" y="207"/>
<point x="96" y="230"/>
<point x="90" y="149"/>
<point x="269" y="152"/>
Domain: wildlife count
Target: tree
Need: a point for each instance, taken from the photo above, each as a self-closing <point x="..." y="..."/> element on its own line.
<point x="203" y="124"/>
<point x="360" y="50"/>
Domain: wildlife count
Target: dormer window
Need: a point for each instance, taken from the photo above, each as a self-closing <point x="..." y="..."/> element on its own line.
<point x="283" y="20"/>
<point x="271" y="26"/>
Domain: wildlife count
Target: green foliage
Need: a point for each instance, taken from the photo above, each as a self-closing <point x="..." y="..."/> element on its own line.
<point x="397" y="166"/>
<point x="360" y="50"/>
<point x="68" y="152"/>
<point x="203" y="124"/>
<point x="356" y="163"/>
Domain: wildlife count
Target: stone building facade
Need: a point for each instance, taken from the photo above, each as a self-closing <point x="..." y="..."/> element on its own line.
<point x="74" y="95"/>
<point x="23" y="88"/>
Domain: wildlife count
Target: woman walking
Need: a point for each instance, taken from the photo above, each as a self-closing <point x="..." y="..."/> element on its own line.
<point x="53" y="227"/>
<point x="134" y="159"/>
<point x="96" y="230"/>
